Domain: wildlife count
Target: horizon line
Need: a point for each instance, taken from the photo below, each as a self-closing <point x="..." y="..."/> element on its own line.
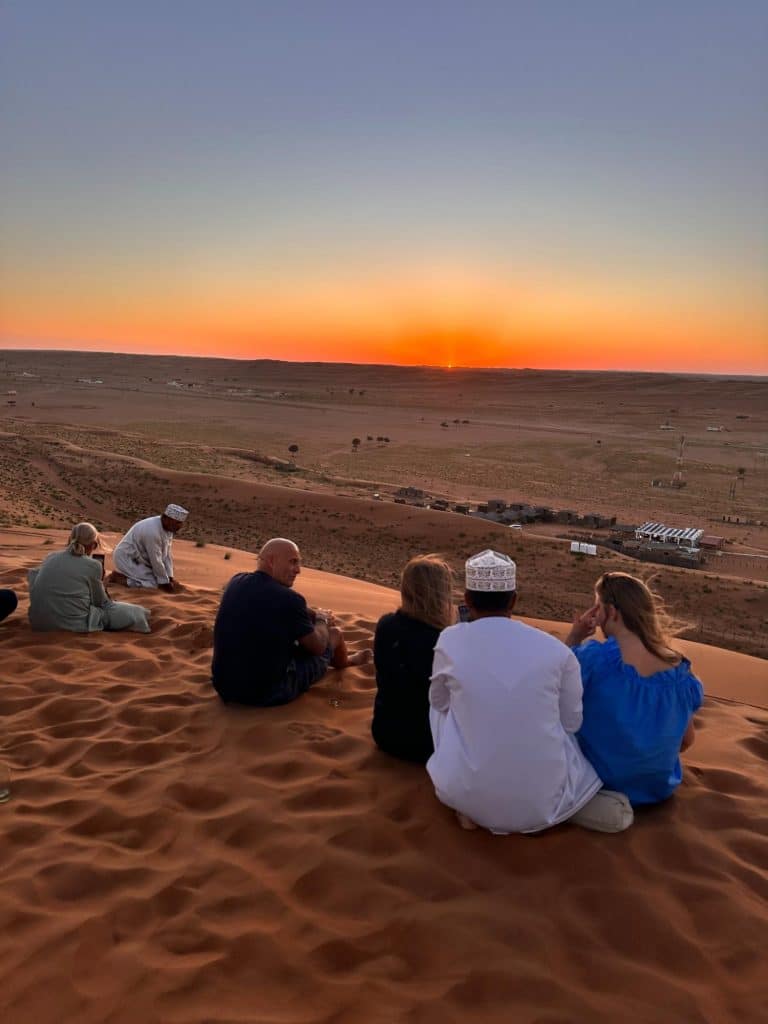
<point x="453" y="368"/>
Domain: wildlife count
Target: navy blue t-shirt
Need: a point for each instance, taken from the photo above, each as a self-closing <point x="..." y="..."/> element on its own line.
<point x="254" y="638"/>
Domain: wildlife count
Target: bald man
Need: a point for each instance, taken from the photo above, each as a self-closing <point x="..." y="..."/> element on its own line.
<point x="268" y="646"/>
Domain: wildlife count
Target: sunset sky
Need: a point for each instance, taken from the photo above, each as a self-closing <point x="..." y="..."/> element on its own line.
<point x="542" y="183"/>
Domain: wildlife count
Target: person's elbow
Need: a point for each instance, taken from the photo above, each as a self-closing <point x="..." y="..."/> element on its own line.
<point x="439" y="695"/>
<point x="572" y="714"/>
<point x="315" y="643"/>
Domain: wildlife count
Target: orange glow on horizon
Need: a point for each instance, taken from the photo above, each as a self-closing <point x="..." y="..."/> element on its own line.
<point x="448" y="318"/>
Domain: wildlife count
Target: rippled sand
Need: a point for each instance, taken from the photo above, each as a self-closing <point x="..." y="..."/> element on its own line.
<point x="167" y="859"/>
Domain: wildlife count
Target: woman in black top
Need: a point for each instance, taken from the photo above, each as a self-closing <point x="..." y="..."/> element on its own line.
<point x="402" y="654"/>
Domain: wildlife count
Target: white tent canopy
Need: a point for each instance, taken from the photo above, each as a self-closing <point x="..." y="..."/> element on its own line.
<point x="682" y="536"/>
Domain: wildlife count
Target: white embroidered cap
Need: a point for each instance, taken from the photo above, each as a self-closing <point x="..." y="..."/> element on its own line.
<point x="176" y="512"/>
<point x="490" y="570"/>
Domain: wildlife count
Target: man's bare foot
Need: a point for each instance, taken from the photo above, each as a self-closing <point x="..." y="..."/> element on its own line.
<point x="465" y="822"/>
<point x="117" y="577"/>
<point x="363" y="657"/>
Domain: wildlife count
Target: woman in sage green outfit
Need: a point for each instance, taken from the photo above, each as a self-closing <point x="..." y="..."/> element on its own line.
<point x="67" y="592"/>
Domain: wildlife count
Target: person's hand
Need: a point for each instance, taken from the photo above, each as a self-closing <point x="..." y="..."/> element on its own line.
<point x="171" y="587"/>
<point x="584" y="626"/>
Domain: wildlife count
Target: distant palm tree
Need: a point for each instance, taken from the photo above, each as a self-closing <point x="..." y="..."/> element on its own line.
<point x="293" y="449"/>
<point x="355" y="443"/>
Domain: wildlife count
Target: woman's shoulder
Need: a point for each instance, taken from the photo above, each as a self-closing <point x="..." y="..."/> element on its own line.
<point x="387" y="620"/>
<point x="684" y="681"/>
<point x="603" y="653"/>
<point x="400" y="622"/>
<point x="388" y="628"/>
<point x="670" y="682"/>
<point x="57" y="559"/>
<point x="91" y="566"/>
<point x="673" y="686"/>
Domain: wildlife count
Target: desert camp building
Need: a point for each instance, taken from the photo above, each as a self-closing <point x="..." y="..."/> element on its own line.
<point x="681" y="537"/>
<point x="711" y="542"/>
<point x="411" y="493"/>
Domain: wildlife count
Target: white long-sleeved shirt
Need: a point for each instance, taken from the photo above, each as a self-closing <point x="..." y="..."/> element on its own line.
<point x="144" y="554"/>
<point x="505" y="701"/>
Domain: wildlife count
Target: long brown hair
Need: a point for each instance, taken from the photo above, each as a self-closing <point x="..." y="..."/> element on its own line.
<point x="642" y="611"/>
<point x="425" y="590"/>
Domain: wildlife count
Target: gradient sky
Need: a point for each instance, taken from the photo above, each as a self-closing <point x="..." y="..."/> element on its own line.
<point x="543" y="183"/>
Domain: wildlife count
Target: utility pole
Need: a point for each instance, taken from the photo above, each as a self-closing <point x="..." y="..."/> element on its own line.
<point x="678" y="479"/>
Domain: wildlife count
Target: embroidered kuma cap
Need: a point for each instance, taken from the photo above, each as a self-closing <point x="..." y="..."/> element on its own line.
<point x="490" y="570"/>
<point x="176" y="512"/>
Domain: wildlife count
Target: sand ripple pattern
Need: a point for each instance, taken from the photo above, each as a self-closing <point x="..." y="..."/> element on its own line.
<point x="166" y="859"/>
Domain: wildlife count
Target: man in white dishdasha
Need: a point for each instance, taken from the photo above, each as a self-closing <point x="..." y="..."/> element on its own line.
<point x="143" y="558"/>
<point x="505" y="704"/>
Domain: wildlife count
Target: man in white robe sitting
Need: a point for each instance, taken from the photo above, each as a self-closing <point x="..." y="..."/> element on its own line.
<point x="143" y="558"/>
<point x="505" y="705"/>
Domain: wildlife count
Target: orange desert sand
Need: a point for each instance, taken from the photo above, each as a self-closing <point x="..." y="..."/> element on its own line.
<point x="169" y="859"/>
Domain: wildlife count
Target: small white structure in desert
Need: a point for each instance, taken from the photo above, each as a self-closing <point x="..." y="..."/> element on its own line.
<point x="579" y="548"/>
<point x="681" y="536"/>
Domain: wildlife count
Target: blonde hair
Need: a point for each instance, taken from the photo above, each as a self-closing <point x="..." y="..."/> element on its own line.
<point x="426" y="584"/>
<point x="82" y="536"/>
<point x="642" y="611"/>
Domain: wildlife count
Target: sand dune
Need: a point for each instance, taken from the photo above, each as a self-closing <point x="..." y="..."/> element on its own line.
<point x="167" y="859"/>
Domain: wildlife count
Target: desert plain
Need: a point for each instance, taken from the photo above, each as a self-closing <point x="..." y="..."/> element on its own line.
<point x="168" y="859"/>
<point x="109" y="437"/>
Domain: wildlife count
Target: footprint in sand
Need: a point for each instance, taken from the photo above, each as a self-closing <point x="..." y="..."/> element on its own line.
<point x="756" y="745"/>
<point x="314" y="733"/>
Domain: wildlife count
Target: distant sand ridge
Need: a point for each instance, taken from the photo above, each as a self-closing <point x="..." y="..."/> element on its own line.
<point x="169" y="859"/>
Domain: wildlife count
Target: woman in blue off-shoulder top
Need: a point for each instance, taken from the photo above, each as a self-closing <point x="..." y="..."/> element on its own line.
<point x="639" y="693"/>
